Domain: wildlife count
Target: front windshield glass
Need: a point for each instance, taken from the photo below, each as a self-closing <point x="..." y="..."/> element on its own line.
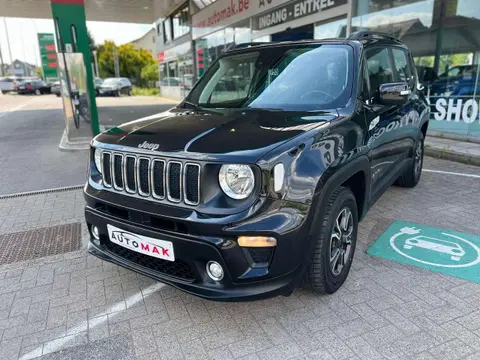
<point x="111" y="81"/>
<point x="308" y="77"/>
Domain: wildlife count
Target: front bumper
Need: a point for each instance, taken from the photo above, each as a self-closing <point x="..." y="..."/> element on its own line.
<point x="244" y="279"/>
<point x="107" y="92"/>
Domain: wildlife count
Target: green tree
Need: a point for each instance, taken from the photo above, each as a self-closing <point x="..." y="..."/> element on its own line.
<point x="39" y="72"/>
<point x="150" y="73"/>
<point x="131" y="61"/>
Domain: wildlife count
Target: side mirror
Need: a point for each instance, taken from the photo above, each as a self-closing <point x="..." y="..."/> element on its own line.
<point x="393" y="93"/>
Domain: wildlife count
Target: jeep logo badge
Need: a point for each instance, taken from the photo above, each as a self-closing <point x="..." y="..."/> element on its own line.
<point x="148" y="146"/>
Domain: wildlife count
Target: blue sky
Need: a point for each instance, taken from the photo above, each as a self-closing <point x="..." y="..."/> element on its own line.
<point x="25" y="30"/>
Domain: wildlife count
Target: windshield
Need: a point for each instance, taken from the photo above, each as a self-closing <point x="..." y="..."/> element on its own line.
<point x="111" y="81"/>
<point x="308" y="77"/>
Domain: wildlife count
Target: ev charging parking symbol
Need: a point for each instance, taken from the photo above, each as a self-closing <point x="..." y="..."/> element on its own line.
<point x="445" y="251"/>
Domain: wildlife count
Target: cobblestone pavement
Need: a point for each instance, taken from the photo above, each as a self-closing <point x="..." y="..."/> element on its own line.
<point x="74" y="306"/>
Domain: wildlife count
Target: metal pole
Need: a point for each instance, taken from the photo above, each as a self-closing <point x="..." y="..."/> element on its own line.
<point x="349" y="18"/>
<point x="115" y="62"/>
<point x="24" y="55"/>
<point x="95" y="60"/>
<point x="438" y="48"/>
<point x="8" y="44"/>
<point x="1" y="62"/>
<point x="37" y="60"/>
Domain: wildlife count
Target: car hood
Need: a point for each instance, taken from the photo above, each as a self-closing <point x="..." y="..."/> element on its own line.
<point x="245" y="133"/>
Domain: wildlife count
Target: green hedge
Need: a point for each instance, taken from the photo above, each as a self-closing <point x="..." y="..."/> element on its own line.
<point x="146" y="91"/>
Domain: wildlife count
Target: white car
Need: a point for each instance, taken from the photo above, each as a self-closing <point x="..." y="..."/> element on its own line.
<point x="7" y="84"/>
<point x="438" y="245"/>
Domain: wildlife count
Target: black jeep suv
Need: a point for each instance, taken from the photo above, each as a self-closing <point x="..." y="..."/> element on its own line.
<point x="256" y="182"/>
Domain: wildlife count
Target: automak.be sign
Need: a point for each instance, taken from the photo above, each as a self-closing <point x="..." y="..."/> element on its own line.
<point x="292" y="11"/>
<point x="226" y="12"/>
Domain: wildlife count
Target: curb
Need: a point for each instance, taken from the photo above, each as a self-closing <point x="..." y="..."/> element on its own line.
<point x="66" y="145"/>
<point x="453" y="136"/>
<point x="451" y="155"/>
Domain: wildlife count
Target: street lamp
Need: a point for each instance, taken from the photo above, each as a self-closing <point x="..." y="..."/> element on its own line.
<point x="95" y="61"/>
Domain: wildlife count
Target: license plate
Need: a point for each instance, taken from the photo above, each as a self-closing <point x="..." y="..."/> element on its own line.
<point x="160" y="249"/>
<point x="21" y="87"/>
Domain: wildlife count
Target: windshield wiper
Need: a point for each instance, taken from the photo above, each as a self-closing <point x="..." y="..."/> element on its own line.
<point x="189" y="103"/>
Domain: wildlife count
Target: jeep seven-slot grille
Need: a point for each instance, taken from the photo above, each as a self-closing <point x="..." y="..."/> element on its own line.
<point x="152" y="177"/>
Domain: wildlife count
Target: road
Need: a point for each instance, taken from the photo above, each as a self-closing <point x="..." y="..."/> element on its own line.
<point x="32" y="127"/>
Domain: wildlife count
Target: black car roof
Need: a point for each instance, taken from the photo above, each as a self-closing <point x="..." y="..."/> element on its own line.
<point x="360" y="38"/>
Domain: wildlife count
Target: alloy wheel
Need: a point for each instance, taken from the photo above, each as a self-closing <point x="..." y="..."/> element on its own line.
<point x="341" y="241"/>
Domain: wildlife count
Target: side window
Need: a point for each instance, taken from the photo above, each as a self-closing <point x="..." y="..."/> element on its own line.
<point x="401" y="65"/>
<point x="379" y="68"/>
<point x="365" y="84"/>
<point x="455" y="71"/>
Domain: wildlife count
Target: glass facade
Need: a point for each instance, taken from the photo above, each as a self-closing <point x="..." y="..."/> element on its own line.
<point x="176" y="71"/>
<point x="180" y="22"/>
<point x="331" y="29"/>
<point x="209" y="47"/>
<point x="444" y="39"/>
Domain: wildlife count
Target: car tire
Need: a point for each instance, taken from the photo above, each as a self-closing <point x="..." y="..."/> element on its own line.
<point x="129" y="92"/>
<point x="322" y="275"/>
<point x="4" y="92"/>
<point x="411" y="176"/>
<point x="38" y="92"/>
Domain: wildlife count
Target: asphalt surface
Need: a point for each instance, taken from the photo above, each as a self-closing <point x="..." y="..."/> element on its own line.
<point x="32" y="127"/>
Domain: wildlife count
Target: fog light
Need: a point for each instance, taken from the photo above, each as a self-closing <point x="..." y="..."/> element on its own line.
<point x="257" y="241"/>
<point x="214" y="271"/>
<point x="95" y="233"/>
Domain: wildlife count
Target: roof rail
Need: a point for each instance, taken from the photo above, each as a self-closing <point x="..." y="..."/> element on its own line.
<point x="364" y="34"/>
<point x="245" y="45"/>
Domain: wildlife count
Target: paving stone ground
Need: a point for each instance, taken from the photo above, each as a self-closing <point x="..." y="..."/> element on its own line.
<point x="74" y="306"/>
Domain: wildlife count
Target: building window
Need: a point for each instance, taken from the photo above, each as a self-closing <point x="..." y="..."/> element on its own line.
<point x="167" y="30"/>
<point x="180" y="22"/>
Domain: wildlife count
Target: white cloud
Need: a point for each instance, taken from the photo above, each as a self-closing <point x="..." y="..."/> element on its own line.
<point x="25" y="30"/>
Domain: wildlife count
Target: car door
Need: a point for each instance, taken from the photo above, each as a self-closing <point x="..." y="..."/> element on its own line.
<point x="413" y="107"/>
<point x="385" y="149"/>
<point x="125" y="86"/>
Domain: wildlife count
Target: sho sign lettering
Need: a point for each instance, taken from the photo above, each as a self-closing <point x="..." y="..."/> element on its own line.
<point x="456" y="110"/>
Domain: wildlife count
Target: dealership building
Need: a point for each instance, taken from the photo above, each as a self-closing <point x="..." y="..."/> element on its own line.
<point x="443" y="37"/>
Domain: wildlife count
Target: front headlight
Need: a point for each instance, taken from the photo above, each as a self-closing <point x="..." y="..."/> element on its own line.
<point x="236" y="180"/>
<point x="97" y="155"/>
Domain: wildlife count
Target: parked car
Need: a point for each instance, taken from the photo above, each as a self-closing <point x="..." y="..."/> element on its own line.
<point x="245" y="192"/>
<point x="10" y="83"/>
<point x="115" y="87"/>
<point x="456" y="81"/>
<point x="7" y="84"/>
<point x="37" y="87"/>
<point x="98" y="83"/>
<point x="56" y="88"/>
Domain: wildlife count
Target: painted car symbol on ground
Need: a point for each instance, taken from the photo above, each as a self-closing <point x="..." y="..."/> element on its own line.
<point x="438" y="245"/>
